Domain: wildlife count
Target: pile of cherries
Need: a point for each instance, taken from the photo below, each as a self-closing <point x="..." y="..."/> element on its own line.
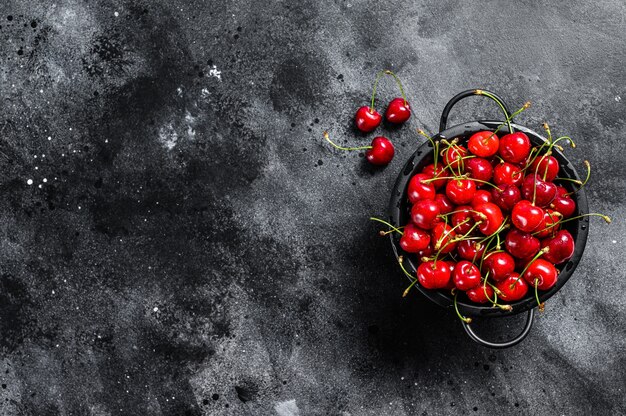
<point x="381" y="151"/>
<point x="486" y="217"/>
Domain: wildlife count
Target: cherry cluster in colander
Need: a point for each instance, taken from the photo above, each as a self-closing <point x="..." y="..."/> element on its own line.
<point x="487" y="216"/>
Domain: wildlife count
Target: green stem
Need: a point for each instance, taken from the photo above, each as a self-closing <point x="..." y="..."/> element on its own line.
<point x="380" y="74"/>
<point x="506" y="114"/>
<point x="388" y="72"/>
<point x="456" y="308"/>
<point x="588" y="166"/>
<point x="336" y="146"/>
<point x="387" y="224"/>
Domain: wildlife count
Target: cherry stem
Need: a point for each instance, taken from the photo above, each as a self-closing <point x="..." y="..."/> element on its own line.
<point x="539" y="254"/>
<point x="456" y="308"/>
<point x="336" y="146"/>
<point x="406" y="291"/>
<point x="388" y="72"/>
<point x="380" y="74"/>
<point x="387" y="224"/>
<point x="576" y="181"/>
<point x="409" y="275"/>
<point x="506" y="114"/>
<point x="588" y="166"/>
<point x="539" y="304"/>
<point x="510" y="118"/>
<point x="435" y="146"/>
<point x="449" y="165"/>
<point x="606" y="218"/>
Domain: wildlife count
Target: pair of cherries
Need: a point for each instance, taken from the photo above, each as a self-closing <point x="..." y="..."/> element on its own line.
<point x="381" y="151"/>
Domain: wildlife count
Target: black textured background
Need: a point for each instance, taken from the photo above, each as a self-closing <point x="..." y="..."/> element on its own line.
<point x="189" y="244"/>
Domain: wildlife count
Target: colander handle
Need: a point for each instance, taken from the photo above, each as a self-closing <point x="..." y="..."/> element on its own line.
<point x="507" y="344"/>
<point x="469" y="93"/>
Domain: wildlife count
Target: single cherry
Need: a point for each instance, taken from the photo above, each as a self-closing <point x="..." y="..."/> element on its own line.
<point x="418" y="190"/>
<point x="462" y="219"/>
<point x="442" y="238"/>
<point x="398" y="111"/>
<point x="507" y="173"/>
<point x="490" y="216"/>
<point x="520" y="244"/>
<point x="542" y="272"/>
<point x="514" y="147"/>
<point x="466" y="275"/>
<point x="434" y="275"/>
<point x="460" y="191"/>
<point x="381" y="152"/>
<point x="538" y="190"/>
<point x="561" y="247"/>
<point x="367" y="119"/>
<point x="479" y="168"/>
<point x="550" y="224"/>
<point x="512" y="288"/>
<point x="445" y="206"/>
<point x="484" y="143"/>
<point x="526" y="216"/>
<point x="506" y="196"/>
<point x="453" y="156"/>
<point x="414" y="239"/>
<point x="547" y="167"/>
<point x="425" y="214"/>
<point x="563" y="203"/>
<point x="470" y="250"/>
<point x="480" y="294"/>
<point x="498" y="265"/>
<point x="440" y="172"/>
<point x="480" y="197"/>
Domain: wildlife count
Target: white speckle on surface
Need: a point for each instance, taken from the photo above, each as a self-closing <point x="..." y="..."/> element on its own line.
<point x="49" y="138"/>
<point x="116" y="14"/>
<point x="179" y="91"/>
<point x="156" y="309"/>
<point x="39" y="186"/>
<point x="45" y="180"/>
<point x="618" y="98"/>
<point x="30" y="181"/>
<point x="614" y="241"/>
<point x="168" y="136"/>
<point x="214" y="72"/>
<point x="287" y="408"/>
<point x="204" y="92"/>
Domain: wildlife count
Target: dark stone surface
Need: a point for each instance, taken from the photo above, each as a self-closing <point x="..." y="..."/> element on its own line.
<point x="189" y="245"/>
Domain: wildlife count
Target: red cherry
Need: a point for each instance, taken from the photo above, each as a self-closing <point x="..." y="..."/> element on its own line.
<point x="470" y="250"/>
<point x="484" y="143"/>
<point x="512" y="288"/>
<point x="466" y="275"/>
<point x="561" y="247"/>
<point x="427" y="252"/>
<point x="425" y="213"/>
<point x="543" y="272"/>
<point x="381" y="152"/>
<point x="520" y="244"/>
<point x="506" y="196"/>
<point x="548" y="227"/>
<point x="563" y="204"/>
<point x="444" y="203"/>
<point x="526" y="217"/>
<point x="453" y="156"/>
<point x="460" y="191"/>
<point x="507" y="173"/>
<point x="491" y="217"/>
<point x="442" y="237"/>
<point x="499" y="265"/>
<point x="480" y="294"/>
<point x="367" y="119"/>
<point x="398" y="111"/>
<point x="479" y="168"/>
<point x="418" y="190"/>
<point x="548" y="167"/>
<point x="480" y="197"/>
<point x="543" y="192"/>
<point x="462" y="219"/>
<point x="514" y="147"/>
<point x="413" y="239"/>
<point x="430" y="171"/>
<point x="434" y="275"/>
